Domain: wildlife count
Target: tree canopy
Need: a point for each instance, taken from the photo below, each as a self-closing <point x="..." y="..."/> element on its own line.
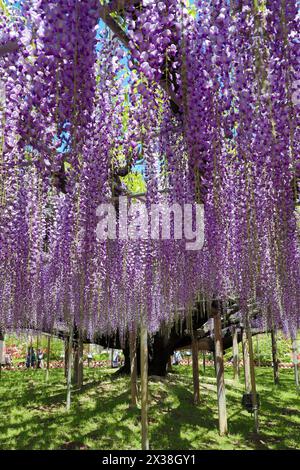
<point x="205" y="98"/>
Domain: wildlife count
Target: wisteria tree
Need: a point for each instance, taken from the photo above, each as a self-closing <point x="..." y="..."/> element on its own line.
<point x="207" y="91"/>
<point x="204" y="98"/>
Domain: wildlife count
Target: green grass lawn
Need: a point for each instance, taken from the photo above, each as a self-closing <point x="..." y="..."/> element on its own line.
<point x="33" y="413"/>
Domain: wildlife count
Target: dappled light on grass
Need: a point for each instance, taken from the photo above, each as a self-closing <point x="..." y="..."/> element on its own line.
<point x="34" y="417"/>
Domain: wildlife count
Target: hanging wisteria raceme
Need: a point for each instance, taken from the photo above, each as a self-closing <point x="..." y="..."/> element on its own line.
<point x="243" y="122"/>
<point x="270" y="172"/>
<point x="12" y="86"/>
<point x="110" y="285"/>
<point x="52" y="77"/>
<point x="72" y="267"/>
<point x="76" y="121"/>
<point x="155" y="30"/>
<point x="281" y="112"/>
<point x="22" y="243"/>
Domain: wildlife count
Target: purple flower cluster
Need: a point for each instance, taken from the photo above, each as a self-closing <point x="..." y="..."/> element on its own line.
<point x="52" y="77"/>
<point x="156" y="31"/>
<point x="233" y="145"/>
<point x="242" y="130"/>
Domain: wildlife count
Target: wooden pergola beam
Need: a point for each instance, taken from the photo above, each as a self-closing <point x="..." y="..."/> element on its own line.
<point x="104" y="13"/>
<point x="119" y="5"/>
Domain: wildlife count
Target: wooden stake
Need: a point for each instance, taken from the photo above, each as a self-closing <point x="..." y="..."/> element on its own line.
<point x="257" y="350"/>
<point x="2" y="346"/>
<point x="48" y="358"/>
<point x="204" y="362"/>
<point x="78" y="364"/>
<point x="66" y="357"/>
<point x="295" y="361"/>
<point x="235" y="351"/>
<point x="246" y="361"/>
<point x="144" y="386"/>
<point x="133" y="367"/>
<point x="252" y="376"/>
<point x="112" y="358"/>
<point x="169" y="364"/>
<point x="69" y="375"/>
<point x="219" y="364"/>
<point x="89" y="351"/>
<point x="274" y="357"/>
<point x="37" y="348"/>
<point x="195" y="358"/>
<point x="215" y="361"/>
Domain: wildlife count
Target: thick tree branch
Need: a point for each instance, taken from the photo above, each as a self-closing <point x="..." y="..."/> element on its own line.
<point x="119" y="5"/>
<point x="8" y="48"/>
<point x="104" y="13"/>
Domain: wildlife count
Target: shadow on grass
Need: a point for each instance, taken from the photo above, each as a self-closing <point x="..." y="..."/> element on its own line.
<point x="34" y="417"/>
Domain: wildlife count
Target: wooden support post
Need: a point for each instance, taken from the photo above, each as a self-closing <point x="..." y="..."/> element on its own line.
<point x="75" y="363"/>
<point x="235" y="353"/>
<point x="144" y="386"/>
<point x="274" y="357"/>
<point x="219" y="364"/>
<point x="78" y="364"/>
<point x="2" y="348"/>
<point x="252" y="376"/>
<point x="169" y="364"/>
<point x="204" y="362"/>
<point x="112" y="358"/>
<point x="89" y="355"/>
<point x="133" y="367"/>
<point x="69" y="374"/>
<point x="195" y="358"/>
<point x="37" y="354"/>
<point x="257" y="350"/>
<point x="215" y="361"/>
<point x="246" y="361"/>
<point x="295" y="361"/>
<point x="66" y="357"/>
<point x="48" y="358"/>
